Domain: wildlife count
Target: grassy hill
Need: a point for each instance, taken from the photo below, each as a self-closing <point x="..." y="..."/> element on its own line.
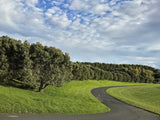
<point x="72" y="98"/>
<point x="146" y="97"/>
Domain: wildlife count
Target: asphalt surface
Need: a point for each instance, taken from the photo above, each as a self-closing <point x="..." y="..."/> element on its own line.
<point x="119" y="111"/>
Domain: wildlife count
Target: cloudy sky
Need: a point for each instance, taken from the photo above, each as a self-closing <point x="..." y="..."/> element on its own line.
<point x="110" y="31"/>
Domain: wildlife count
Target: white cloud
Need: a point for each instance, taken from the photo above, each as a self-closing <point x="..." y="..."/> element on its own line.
<point x="101" y="8"/>
<point x="79" y="5"/>
<point x="154" y="47"/>
<point x="87" y="6"/>
<point x="118" y="31"/>
<point x="31" y="3"/>
<point x="60" y="20"/>
<point x="57" y="17"/>
<point x="54" y="10"/>
<point x="145" y="58"/>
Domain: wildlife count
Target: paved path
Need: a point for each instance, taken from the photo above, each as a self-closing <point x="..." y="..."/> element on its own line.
<point x="119" y="111"/>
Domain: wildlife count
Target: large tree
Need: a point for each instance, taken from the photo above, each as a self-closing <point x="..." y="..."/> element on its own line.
<point x="50" y="66"/>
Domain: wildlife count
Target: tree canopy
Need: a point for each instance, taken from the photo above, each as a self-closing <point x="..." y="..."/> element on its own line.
<point x="32" y="65"/>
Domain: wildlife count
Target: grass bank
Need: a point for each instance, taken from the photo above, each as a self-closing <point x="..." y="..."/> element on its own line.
<point x="72" y="98"/>
<point x="146" y="97"/>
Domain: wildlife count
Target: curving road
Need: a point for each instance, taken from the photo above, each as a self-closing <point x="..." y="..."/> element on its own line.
<point x="119" y="111"/>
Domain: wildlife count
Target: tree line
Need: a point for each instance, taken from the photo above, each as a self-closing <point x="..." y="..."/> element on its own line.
<point x="36" y="66"/>
<point x="122" y="72"/>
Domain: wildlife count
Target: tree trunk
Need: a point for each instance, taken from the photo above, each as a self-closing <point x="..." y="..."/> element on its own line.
<point x="42" y="87"/>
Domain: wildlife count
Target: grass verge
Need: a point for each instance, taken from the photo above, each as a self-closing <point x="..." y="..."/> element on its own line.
<point x="72" y="98"/>
<point x="145" y="97"/>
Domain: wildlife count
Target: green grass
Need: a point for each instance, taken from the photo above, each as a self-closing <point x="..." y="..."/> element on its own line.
<point x="72" y="98"/>
<point x="146" y="97"/>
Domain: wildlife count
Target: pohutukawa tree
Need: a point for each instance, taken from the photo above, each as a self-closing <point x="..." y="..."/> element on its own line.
<point x="50" y="66"/>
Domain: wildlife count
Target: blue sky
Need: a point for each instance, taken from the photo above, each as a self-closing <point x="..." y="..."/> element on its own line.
<point x="109" y="31"/>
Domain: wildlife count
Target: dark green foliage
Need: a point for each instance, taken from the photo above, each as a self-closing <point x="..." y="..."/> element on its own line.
<point x="157" y="76"/>
<point x="15" y="61"/>
<point x="50" y="65"/>
<point x="35" y="65"/>
<point x="122" y="72"/>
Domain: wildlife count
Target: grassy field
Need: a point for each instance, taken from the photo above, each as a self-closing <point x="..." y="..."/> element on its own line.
<point x="72" y="98"/>
<point x="146" y="97"/>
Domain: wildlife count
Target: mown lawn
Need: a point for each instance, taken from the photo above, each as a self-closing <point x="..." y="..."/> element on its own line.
<point x="146" y="97"/>
<point x="72" y="98"/>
